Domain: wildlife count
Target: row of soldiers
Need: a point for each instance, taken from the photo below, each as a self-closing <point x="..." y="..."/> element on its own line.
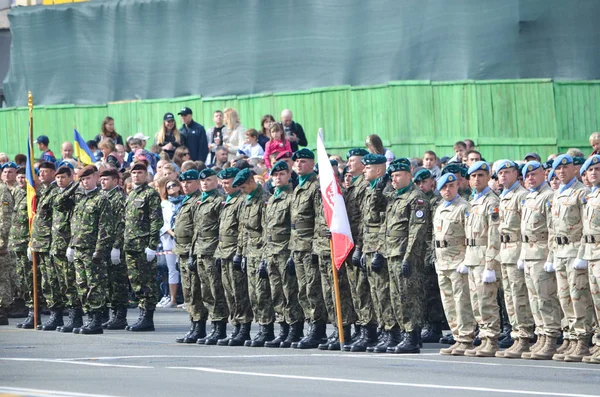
<point x="90" y="242"/>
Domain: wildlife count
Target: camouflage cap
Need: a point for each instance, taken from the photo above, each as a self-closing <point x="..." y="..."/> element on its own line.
<point x="371" y="159"/>
<point x="87" y="171"/>
<point x="531" y="166"/>
<point x="595" y="159"/>
<point x="242" y="177"/>
<point x="422" y="175"/>
<point x="444" y="179"/>
<point x="206" y="173"/>
<point x="280" y="166"/>
<point x="109" y="172"/>
<point x="303" y="154"/>
<point x="228" y="173"/>
<point x="189" y="175"/>
<point x="356" y="152"/>
<point x="479" y="166"/>
<point x="401" y="164"/>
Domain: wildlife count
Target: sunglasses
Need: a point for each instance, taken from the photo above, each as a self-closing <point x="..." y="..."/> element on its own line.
<point x="169" y="187"/>
<point x="185" y="154"/>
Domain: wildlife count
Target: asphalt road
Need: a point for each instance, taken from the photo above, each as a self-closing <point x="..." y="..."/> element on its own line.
<point x="121" y="363"/>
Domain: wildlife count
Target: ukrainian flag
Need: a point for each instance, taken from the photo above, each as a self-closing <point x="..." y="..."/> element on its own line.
<point x="30" y="176"/>
<point x="82" y="151"/>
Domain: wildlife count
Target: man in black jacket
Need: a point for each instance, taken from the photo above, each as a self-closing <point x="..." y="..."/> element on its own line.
<point x="293" y="131"/>
<point x="194" y="135"/>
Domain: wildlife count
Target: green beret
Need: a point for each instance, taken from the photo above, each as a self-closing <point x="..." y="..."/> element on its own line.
<point x="455" y="168"/>
<point x="578" y="160"/>
<point x="373" y="159"/>
<point x="207" y="172"/>
<point x="280" y="166"/>
<point x="228" y="173"/>
<point x="422" y="175"/>
<point x="189" y="175"/>
<point x="345" y="170"/>
<point x="401" y="164"/>
<point x="242" y="177"/>
<point x="356" y="152"/>
<point x="303" y="154"/>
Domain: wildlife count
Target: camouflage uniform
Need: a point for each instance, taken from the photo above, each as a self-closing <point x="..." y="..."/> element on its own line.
<point x="92" y="241"/>
<point x="449" y="232"/>
<point x="143" y="220"/>
<point x="235" y="282"/>
<point x="284" y="285"/>
<point x="305" y="201"/>
<point x="573" y="285"/>
<point x="516" y="295"/>
<point x="407" y="220"/>
<point x="64" y="203"/>
<point x="482" y="253"/>
<point x="433" y="311"/>
<point x="537" y="235"/>
<point x="118" y="280"/>
<point x="206" y="239"/>
<point x="7" y="203"/>
<point x="41" y="237"/>
<point x="251" y="230"/>
<point x="590" y="248"/>
<point x="190" y="279"/>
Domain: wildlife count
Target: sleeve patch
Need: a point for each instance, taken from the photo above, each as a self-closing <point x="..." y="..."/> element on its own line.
<point x="419" y="214"/>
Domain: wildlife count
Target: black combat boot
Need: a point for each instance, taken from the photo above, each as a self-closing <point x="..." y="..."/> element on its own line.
<point x="332" y="338"/>
<point x="147" y="323"/>
<point x="95" y="326"/>
<point x="310" y="327"/>
<point x="267" y="334"/>
<point x="225" y="341"/>
<point x="258" y="335"/>
<point x="355" y="335"/>
<point x="139" y="319"/>
<point x="447" y="339"/>
<point x="17" y="309"/>
<point x="317" y="336"/>
<point x="28" y="323"/>
<point x="213" y="329"/>
<point x="410" y="344"/>
<point x="432" y="333"/>
<point x="118" y="320"/>
<point x="368" y="338"/>
<point x="381" y="340"/>
<point x="55" y="320"/>
<point x="337" y="345"/>
<point x="284" y="330"/>
<point x="89" y="320"/>
<point x="295" y="335"/>
<point x="105" y="323"/>
<point x="219" y="332"/>
<point x="105" y="315"/>
<point x="242" y="336"/>
<point x="75" y="320"/>
<point x="395" y="336"/>
<point x="198" y="332"/>
<point x="192" y="327"/>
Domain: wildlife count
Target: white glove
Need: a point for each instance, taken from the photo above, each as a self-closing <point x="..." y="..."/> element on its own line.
<point x="70" y="255"/>
<point x="462" y="269"/>
<point x="580" y="264"/>
<point x="115" y="256"/>
<point x="520" y="264"/>
<point x="29" y="254"/>
<point x="150" y="254"/>
<point x="489" y="276"/>
<point x="549" y="267"/>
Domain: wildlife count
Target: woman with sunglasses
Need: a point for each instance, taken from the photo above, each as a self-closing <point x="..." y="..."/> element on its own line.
<point x="182" y="154"/>
<point x="168" y="137"/>
<point x="170" y="193"/>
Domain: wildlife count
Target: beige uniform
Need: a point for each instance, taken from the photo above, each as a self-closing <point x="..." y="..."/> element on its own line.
<point x="450" y="249"/>
<point x="573" y="285"/>
<point x="482" y="253"/>
<point x="516" y="297"/>
<point x="590" y="248"/>
<point x="537" y="235"/>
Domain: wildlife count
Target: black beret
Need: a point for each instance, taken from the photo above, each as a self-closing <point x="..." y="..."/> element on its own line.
<point x="47" y="164"/>
<point x="139" y="167"/>
<point x="111" y="172"/>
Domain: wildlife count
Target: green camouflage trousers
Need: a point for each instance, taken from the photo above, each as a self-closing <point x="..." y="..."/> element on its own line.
<point x="575" y="297"/>
<point x="543" y="298"/>
<point x="6" y="296"/>
<point x="310" y="293"/>
<point x="259" y="292"/>
<point x="25" y="276"/>
<point x="191" y="287"/>
<point x="406" y="295"/>
<point x="67" y="279"/>
<point x="382" y="308"/>
<point x="92" y="280"/>
<point x="235" y="284"/>
<point x="51" y="287"/>
<point x="484" y="301"/>
<point x="361" y="294"/>
<point x="346" y="304"/>
<point x="454" y="289"/>
<point x="118" y="283"/>
<point x="142" y="276"/>
<point x="213" y="294"/>
<point x="284" y="290"/>
<point x="433" y="309"/>
<point x="516" y="297"/>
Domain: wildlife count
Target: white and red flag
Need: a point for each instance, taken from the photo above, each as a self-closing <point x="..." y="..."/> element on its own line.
<point x="334" y="206"/>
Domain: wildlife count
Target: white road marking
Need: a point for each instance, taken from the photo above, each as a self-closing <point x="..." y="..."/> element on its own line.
<point x="45" y="393"/>
<point x="384" y="383"/>
<point x="59" y="361"/>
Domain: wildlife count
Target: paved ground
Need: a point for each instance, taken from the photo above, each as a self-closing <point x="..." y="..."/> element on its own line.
<point x="121" y="363"/>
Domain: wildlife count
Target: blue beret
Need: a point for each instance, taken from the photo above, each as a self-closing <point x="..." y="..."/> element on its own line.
<point x="10" y="164"/>
<point x="563" y="159"/>
<point x="206" y="173"/>
<point x="506" y="164"/>
<point x="421" y="175"/>
<point x="444" y="179"/>
<point x="356" y="152"/>
<point x="303" y="154"/>
<point x="373" y="159"/>
<point x="242" y="177"/>
<point x="531" y="166"/>
<point x="479" y="166"/>
<point x="228" y="173"/>
<point x="189" y="175"/>
<point x="401" y="164"/>
<point x="595" y="159"/>
<point x="280" y="166"/>
<point x="578" y="160"/>
<point x="65" y="164"/>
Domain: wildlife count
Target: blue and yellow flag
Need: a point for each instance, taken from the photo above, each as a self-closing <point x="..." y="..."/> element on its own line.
<point x="82" y="150"/>
<point x="30" y="176"/>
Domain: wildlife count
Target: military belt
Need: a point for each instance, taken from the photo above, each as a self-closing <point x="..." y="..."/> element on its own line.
<point x="591" y="238"/>
<point x="278" y="237"/>
<point x="533" y="239"/>
<point x="253" y="233"/>
<point x="303" y="225"/>
<point x="325" y="233"/>
<point x="212" y="233"/>
<point x="562" y="240"/>
<point x="507" y="238"/>
<point x="228" y="239"/>
<point x="448" y="242"/>
<point x="476" y="242"/>
<point x="371" y="229"/>
<point x="396" y="233"/>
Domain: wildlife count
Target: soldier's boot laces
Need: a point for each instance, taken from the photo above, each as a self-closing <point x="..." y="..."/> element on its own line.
<point x="198" y="332"/>
<point x="332" y="338"/>
<point x="546" y="352"/>
<point x="394" y="338"/>
<point x="295" y="335"/>
<point x="218" y="332"/>
<point x="266" y="333"/>
<point x="118" y="320"/>
<point x="146" y="324"/>
<point x="355" y="335"/>
<point x="180" y="339"/>
<point x="90" y="318"/>
<point x="75" y="320"/>
<point x="432" y="334"/>
<point x="522" y="345"/>
<point x="410" y="344"/>
<point x="337" y="345"/>
<point x="242" y="336"/>
<point x="581" y="350"/>
<point x="317" y="335"/>
<point x="561" y="356"/>
<point x="593" y="351"/>
<point x="55" y="320"/>
<point x="28" y="322"/>
<point x="139" y="319"/>
<point x="94" y="327"/>
<point x="381" y="340"/>
<point x="284" y="330"/>
<point x="225" y="341"/>
<point x="489" y="349"/>
<point x="537" y="346"/>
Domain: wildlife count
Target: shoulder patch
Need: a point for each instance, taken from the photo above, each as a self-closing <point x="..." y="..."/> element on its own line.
<point x="420" y="202"/>
<point x="495" y="213"/>
<point x="584" y="199"/>
<point x="419" y="214"/>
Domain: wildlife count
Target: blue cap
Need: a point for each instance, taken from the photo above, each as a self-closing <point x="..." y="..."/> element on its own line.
<point x="479" y="166"/>
<point x="595" y="159"/>
<point x="563" y="159"/>
<point x="10" y="164"/>
<point x="505" y="164"/>
<point x="531" y="166"/>
<point x="444" y="179"/>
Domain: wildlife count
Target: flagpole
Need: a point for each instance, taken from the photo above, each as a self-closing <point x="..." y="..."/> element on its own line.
<point x="338" y="301"/>
<point x="36" y="308"/>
